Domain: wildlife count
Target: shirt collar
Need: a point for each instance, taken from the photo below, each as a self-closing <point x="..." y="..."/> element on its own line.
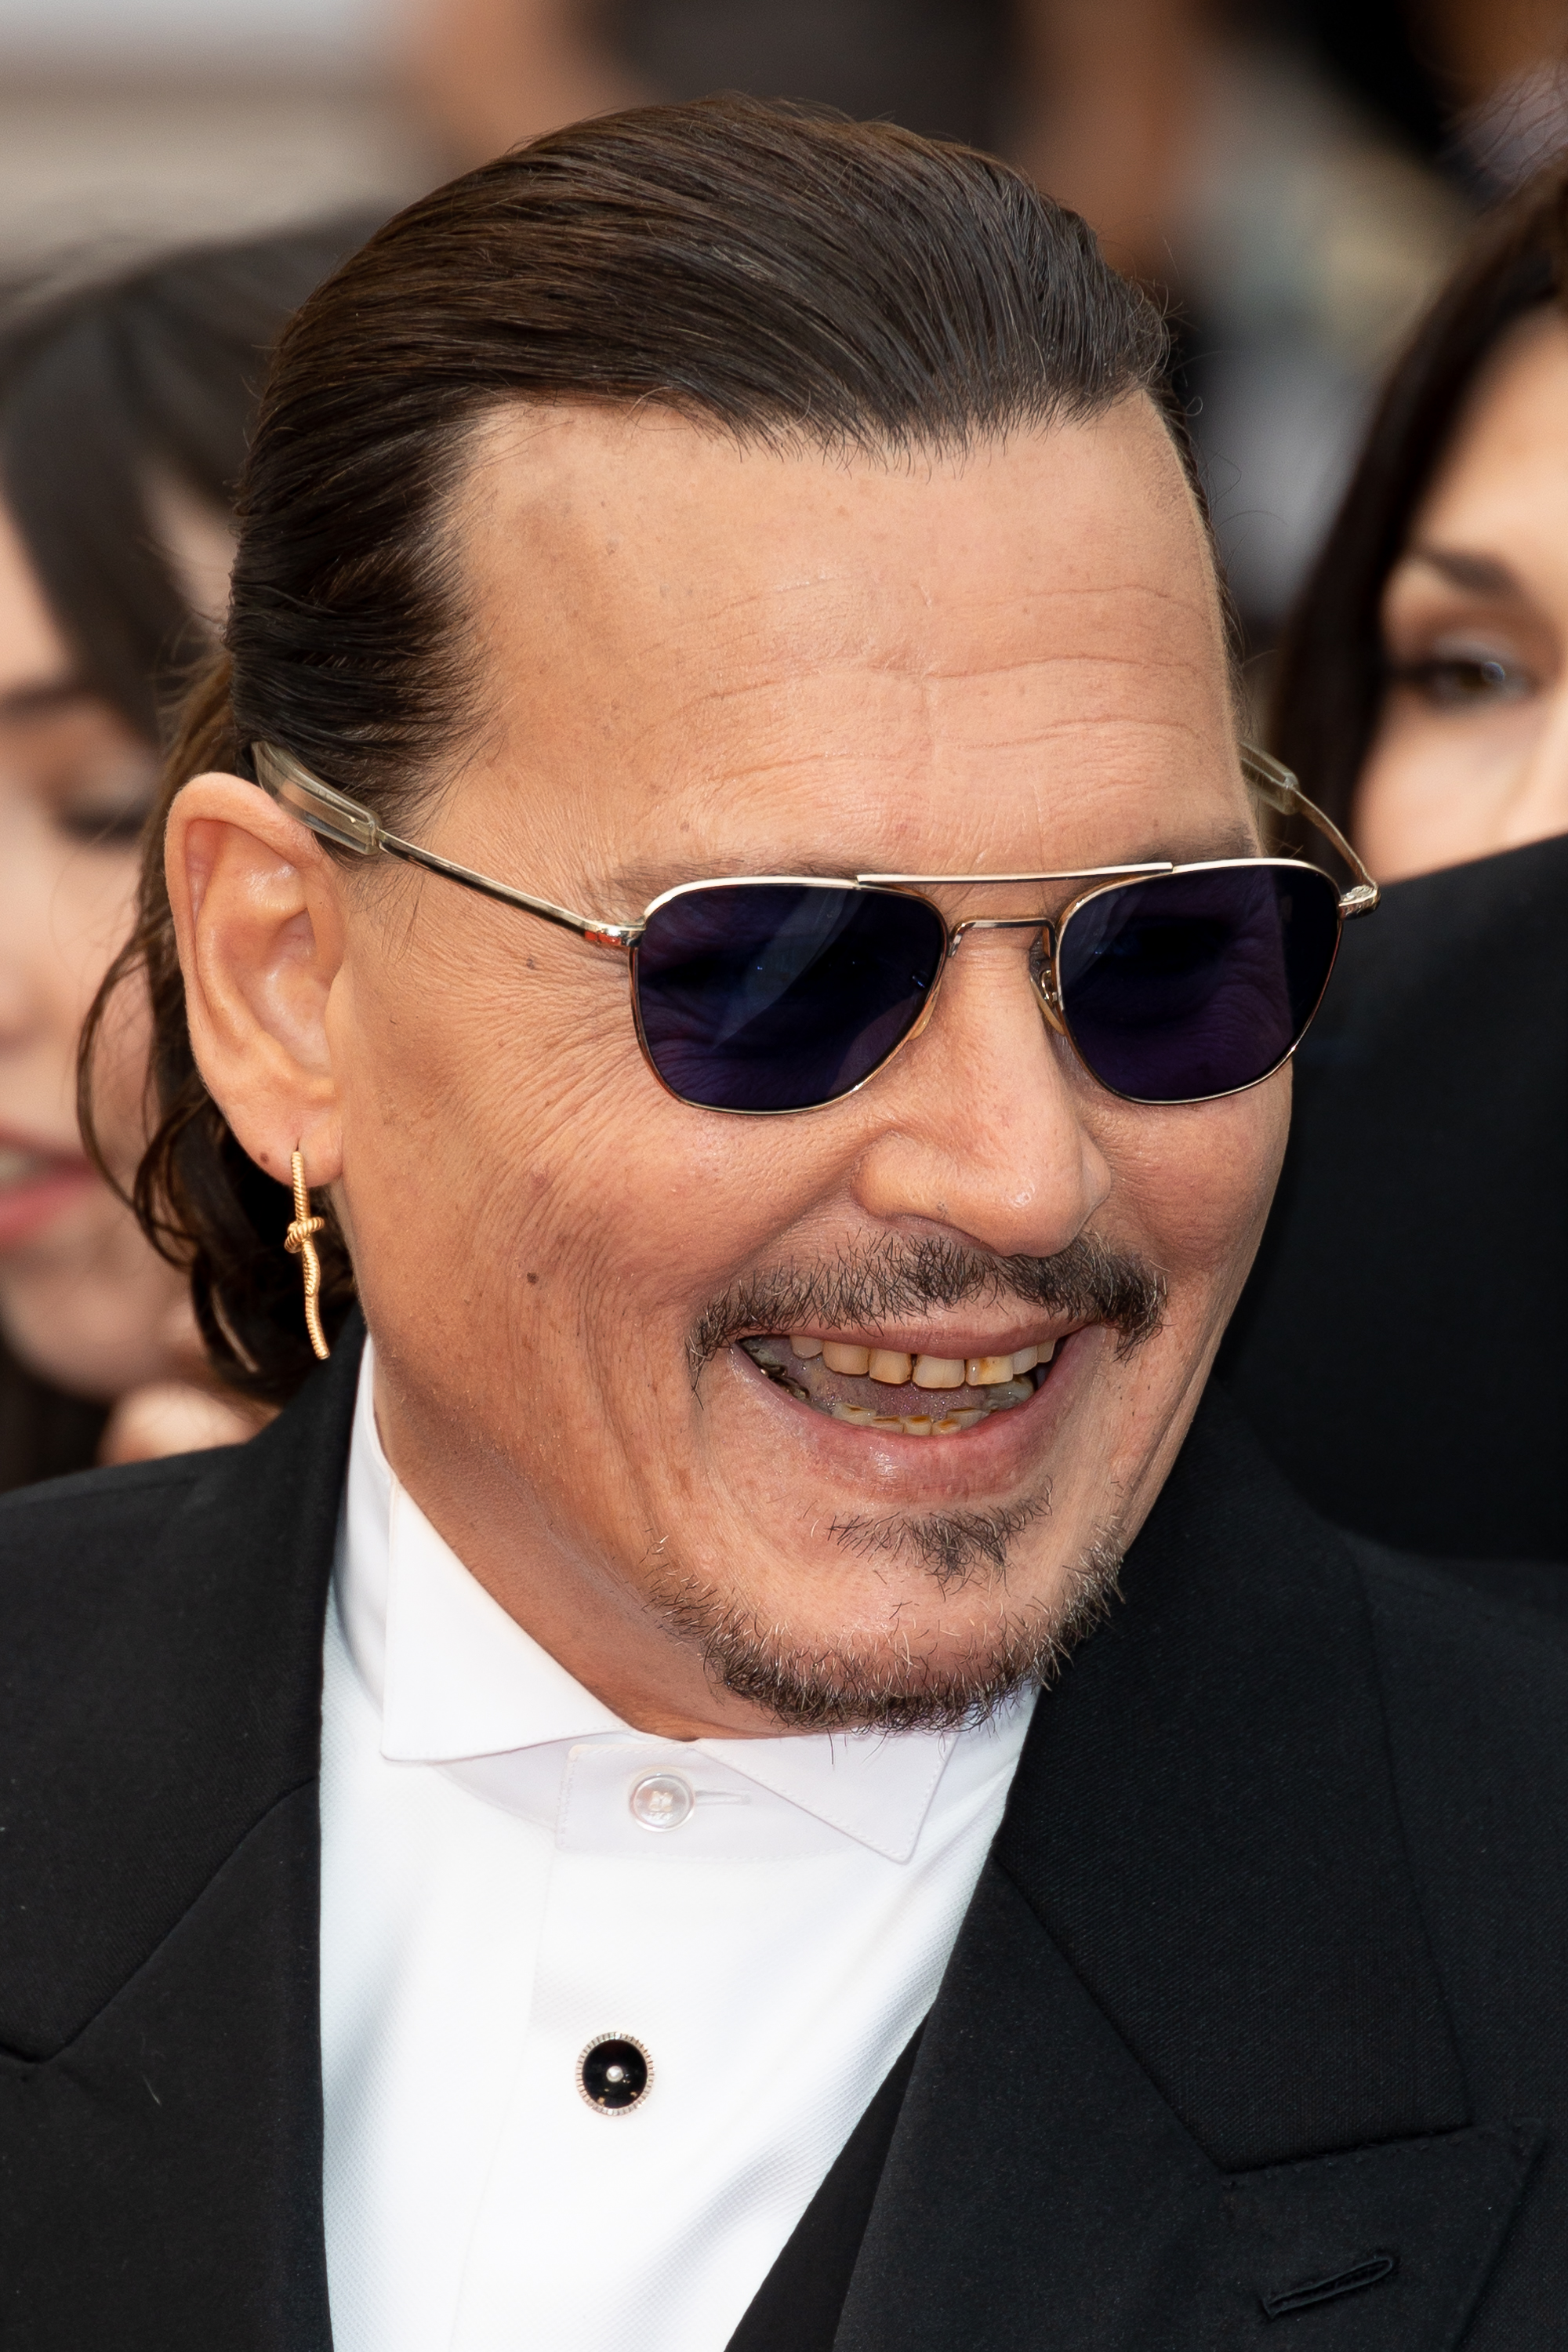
<point x="456" y="1678"/>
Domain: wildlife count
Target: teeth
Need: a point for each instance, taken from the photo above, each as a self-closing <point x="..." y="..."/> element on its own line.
<point x="913" y="1424"/>
<point x="19" y="1167"/>
<point x="1005" y="1379"/>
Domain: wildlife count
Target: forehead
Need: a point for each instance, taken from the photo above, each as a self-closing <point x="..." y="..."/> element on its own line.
<point x="690" y="649"/>
<point x="1507" y="446"/>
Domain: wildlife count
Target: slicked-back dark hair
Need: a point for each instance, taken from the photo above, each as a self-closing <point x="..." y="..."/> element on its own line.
<point x="779" y="274"/>
<point x="1331" y="679"/>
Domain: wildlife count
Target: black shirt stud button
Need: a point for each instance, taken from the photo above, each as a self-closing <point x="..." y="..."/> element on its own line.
<point x="613" y="2075"/>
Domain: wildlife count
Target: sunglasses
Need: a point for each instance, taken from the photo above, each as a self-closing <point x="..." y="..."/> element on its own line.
<point x="778" y="992"/>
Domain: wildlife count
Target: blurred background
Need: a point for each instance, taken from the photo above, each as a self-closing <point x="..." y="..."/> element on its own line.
<point x="1294" y="175"/>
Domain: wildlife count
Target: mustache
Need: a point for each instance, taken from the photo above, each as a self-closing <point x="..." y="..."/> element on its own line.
<point x="864" y="1288"/>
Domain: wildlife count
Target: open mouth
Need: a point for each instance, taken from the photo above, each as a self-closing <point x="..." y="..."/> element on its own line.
<point x="882" y="1388"/>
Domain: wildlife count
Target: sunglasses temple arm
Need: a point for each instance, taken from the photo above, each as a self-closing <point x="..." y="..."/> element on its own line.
<point x="1277" y="785"/>
<point x="350" y="826"/>
<point x="622" y="936"/>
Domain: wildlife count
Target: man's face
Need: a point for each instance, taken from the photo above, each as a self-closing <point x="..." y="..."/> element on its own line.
<point x="692" y="662"/>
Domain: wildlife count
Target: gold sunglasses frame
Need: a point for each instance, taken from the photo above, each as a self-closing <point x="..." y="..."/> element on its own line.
<point x="349" y="826"/>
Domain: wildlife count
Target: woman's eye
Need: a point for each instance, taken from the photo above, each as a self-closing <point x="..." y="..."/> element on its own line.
<point x="1461" y="681"/>
<point x="105" y="804"/>
<point x="93" y="782"/>
<point x="104" y="827"/>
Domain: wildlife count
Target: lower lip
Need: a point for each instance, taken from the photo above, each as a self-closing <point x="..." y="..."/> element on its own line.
<point x="935" y="1467"/>
<point x="27" y="1208"/>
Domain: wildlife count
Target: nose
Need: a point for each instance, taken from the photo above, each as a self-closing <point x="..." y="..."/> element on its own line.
<point x="986" y="1121"/>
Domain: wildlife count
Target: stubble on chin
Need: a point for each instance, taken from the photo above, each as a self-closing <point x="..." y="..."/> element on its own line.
<point x="898" y="1682"/>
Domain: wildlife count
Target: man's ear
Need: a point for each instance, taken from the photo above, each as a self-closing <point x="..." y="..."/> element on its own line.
<point x="258" y="916"/>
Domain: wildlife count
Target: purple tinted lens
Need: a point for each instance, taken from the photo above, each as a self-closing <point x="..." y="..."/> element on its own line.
<point x="1192" y="985"/>
<point x="780" y="995"/>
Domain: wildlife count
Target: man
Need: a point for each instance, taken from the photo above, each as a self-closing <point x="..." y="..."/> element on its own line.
<point x="741" y="554"/>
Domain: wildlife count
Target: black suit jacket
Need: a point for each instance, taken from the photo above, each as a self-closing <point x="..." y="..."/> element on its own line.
<point x="1256" y="2033"/>
<point x="1429" y="1164"/>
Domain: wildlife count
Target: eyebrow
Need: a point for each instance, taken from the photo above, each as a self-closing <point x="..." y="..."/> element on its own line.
<point x="39" y="697"/>
<point x="639" y="885"/>
<point x="643" y="883"/>
<point x="1479" y="575"/>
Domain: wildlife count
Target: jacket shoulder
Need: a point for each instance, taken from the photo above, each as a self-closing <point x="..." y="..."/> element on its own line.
<point x="1497" y="1632"/>
<point x="1474" y="1688"/>
<point x="160" y="1693"/>
<point x="61" y="1523"/>
<point x="1475" y="1693"/>
<point x="82" y="1553"/>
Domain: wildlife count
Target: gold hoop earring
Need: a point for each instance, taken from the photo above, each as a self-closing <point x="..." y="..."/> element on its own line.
<point x="300" y="1242"/>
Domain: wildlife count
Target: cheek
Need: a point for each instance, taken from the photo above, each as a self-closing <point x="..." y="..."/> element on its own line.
<point x="91" y="903"/>
<point x="1432" y="781"/>
<point x="517" y="1116"/>
<point x="1197" y="1180"/>
<point x="69" y="910"/>
<point x="92" y="907"/>
<point x="120" y="1080"/>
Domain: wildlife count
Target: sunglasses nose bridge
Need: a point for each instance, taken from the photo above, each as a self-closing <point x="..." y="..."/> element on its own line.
<point x="1042" y="962"/>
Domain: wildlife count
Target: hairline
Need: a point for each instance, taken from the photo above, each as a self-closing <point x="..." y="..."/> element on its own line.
<point x="789" y="442"/>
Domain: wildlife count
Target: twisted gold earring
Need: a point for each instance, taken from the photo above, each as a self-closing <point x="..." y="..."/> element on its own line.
<point x="300" y="1242"/>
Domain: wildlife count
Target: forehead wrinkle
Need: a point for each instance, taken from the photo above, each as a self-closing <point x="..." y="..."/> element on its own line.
<point x="880" y="640"/>
<point x="795" y="758"/>
<point x="720" y="804"/>
<point x="933" y="685"/>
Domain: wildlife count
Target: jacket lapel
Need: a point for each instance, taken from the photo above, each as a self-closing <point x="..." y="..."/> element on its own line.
<point x="160" y="2080"/>
<point x="1191" y="2069"/>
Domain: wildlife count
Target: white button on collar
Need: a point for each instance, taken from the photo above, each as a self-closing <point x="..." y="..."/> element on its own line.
<point x="662" y="1801"/>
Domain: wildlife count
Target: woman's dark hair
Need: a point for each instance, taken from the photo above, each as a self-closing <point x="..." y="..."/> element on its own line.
<point x="1329" y="684"/>
<point x="105" y="387"/>
<point x="779" y="274"/>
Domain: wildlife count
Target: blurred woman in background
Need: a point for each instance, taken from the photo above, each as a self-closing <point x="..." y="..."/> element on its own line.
<point x="124" y="408"/>
<point x="1399" y="1347"/>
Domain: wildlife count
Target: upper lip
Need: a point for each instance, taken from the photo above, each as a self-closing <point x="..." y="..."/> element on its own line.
<point x="950" y="1345"/>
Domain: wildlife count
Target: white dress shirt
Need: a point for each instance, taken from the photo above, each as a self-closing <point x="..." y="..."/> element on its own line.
<point x="492" y="1905"/>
